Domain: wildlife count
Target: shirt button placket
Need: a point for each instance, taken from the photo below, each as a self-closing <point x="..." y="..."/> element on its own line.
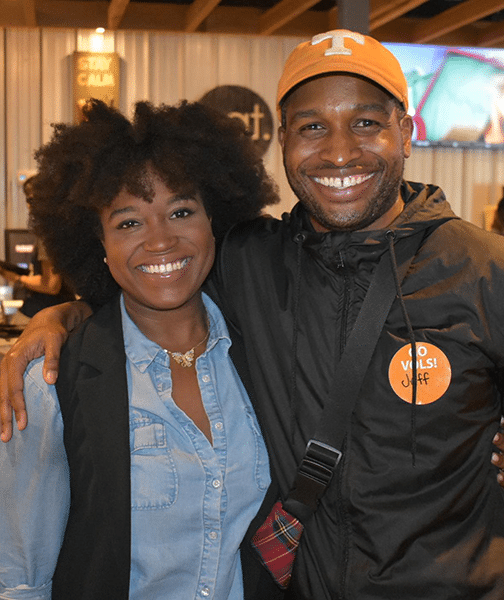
<point x="211" y="547"/>
<point x="215" y="489"/>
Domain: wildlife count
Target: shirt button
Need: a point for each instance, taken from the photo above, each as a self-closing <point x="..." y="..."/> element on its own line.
<point x="206" y="378"/>
<point x="213" y="535"/>
<point x="218" y="425"/>
<point x="216" y="483"/>
<point x="205" y="591"/>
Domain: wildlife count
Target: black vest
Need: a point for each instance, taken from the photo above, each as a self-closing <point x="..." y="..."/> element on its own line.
<point x="94" y="562"/>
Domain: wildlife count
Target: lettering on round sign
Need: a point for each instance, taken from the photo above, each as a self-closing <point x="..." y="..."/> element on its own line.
<point x="244" y="104"/>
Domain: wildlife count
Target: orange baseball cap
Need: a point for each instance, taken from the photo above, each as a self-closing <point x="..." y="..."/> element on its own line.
<point x="343" y="51"/>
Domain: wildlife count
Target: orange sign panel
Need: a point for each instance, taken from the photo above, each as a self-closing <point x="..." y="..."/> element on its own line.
<point x="96" y="75"/>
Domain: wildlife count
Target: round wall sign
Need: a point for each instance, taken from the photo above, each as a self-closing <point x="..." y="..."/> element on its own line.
<point x="244" y="104"/>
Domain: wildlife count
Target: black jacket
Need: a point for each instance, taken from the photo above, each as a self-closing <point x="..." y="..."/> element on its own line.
<point x="414" y="511"/>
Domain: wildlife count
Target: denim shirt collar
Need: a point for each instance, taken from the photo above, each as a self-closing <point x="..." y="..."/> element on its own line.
<point x="142" y="352"/>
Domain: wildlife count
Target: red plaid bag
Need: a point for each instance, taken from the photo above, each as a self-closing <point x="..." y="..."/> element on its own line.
<point x="276" y="541"/>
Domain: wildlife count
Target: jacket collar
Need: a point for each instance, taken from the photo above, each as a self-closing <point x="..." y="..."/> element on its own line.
<point x="425" y="207"/>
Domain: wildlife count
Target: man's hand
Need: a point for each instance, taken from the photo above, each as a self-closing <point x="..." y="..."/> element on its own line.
<point x="45" y="334"/>
<point x="498" y="457"/>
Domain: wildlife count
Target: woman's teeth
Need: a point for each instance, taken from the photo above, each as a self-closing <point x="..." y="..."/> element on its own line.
<point x="164" y="268"/>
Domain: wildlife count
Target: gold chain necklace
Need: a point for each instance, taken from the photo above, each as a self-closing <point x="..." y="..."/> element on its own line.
<point x="186" y="359"/>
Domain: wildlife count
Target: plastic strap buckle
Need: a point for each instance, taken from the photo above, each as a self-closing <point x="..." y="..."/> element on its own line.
<point x="312" y="478"/>
<point x="319" y="462"/>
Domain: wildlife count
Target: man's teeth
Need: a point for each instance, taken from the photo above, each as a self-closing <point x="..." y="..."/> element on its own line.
<point x="164" y="268"/>
<point x="342" y="183"/>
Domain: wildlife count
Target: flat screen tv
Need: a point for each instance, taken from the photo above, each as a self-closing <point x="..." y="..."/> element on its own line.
<point x="456" y="95"/>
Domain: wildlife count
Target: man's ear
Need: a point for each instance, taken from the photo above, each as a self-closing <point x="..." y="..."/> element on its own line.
<point x="406" y="125"/>
<point x="281" y="136"/>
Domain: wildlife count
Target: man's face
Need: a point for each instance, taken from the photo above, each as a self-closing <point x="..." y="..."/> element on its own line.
<point x="344" y="145"/>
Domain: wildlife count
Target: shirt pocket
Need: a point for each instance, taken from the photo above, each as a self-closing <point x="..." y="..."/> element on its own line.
<point x="261" y="463"/>
<point x="154" y="480"/>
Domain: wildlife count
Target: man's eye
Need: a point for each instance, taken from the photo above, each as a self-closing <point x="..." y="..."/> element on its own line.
<point x="181" y="213"/>
<point x="366" y="123"/>
<point x="311" y="127"/>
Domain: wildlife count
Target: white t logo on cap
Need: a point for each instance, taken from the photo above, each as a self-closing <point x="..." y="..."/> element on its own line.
<point x="338" y="41"/>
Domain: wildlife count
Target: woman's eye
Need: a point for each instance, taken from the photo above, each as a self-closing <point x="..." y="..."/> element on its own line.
<point x="181" y="213"/>
<point x="127" y="224"/>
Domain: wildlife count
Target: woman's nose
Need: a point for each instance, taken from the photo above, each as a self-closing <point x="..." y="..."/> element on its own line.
<point x="160" y="238"/>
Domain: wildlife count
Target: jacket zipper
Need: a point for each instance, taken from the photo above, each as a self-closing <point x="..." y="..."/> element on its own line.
<point x="343" y="513"/>
<point x="345" y="303"/>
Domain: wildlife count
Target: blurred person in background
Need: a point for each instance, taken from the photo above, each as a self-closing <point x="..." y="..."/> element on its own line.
<point x="44" y="287"/>
<point x="498" y="222"/>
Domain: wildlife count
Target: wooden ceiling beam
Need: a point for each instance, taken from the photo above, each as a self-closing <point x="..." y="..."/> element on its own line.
<point x="383" y="11"/>
<point x="198" y="12"/>
<point x="282" y="13"/>
<point x="458" y="26"/>
<point x="462" y="14"/>
<point x="467" y="35"/>
<point x="152" y="16"/>
<point x="115" y="13"/>
<point x="332" y="18"/>
<point x="396" y="32"/>
<point x="240" y="20"/>
<point x="29" y="13"/>
<point x="491" y="35"/>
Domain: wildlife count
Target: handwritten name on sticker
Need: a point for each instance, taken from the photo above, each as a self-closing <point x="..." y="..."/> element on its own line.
<point x="433" y="373"/>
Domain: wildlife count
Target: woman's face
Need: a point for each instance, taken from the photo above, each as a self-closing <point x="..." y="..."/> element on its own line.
<point x="159" y="252"/>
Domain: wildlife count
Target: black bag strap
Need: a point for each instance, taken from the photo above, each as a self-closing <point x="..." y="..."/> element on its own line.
<point x="323" y="453"/>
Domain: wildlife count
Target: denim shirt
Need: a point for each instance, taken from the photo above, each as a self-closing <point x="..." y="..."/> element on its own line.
<point x="191" y="500"/>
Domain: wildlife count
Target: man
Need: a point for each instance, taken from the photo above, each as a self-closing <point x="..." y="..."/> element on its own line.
<point x="413" y="510"/>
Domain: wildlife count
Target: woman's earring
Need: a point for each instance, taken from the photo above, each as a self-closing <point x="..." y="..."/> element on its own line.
<point x="105" y="260"/>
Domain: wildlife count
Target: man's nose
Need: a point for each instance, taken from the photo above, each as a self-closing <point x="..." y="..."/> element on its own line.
<point x="340" y="147"/>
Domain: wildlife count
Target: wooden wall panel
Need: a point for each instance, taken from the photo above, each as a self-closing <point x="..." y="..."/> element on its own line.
<point x="470" y="179"/>
<point x="23" y="116"/>
<point x="167" y="68"/>
<point x="133" y="49"/>
<point x="56" y="82"/>
<point x="200" y="65"/>
<point x="476" y="183"/>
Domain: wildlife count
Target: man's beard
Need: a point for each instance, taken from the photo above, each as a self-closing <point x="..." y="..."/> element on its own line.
<point x="385" y="197"/>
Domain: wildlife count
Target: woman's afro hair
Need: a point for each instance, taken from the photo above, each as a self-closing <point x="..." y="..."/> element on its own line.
<point x="191" y="147"/>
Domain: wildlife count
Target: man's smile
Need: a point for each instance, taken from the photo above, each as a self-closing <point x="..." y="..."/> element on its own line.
<point x="342" y="183"/>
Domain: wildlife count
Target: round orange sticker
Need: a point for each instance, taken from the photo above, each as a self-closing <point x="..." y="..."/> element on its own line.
<point x="433" y="373"/>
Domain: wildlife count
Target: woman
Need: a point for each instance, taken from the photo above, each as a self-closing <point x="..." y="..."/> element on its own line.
<point x="142" y="469"/>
